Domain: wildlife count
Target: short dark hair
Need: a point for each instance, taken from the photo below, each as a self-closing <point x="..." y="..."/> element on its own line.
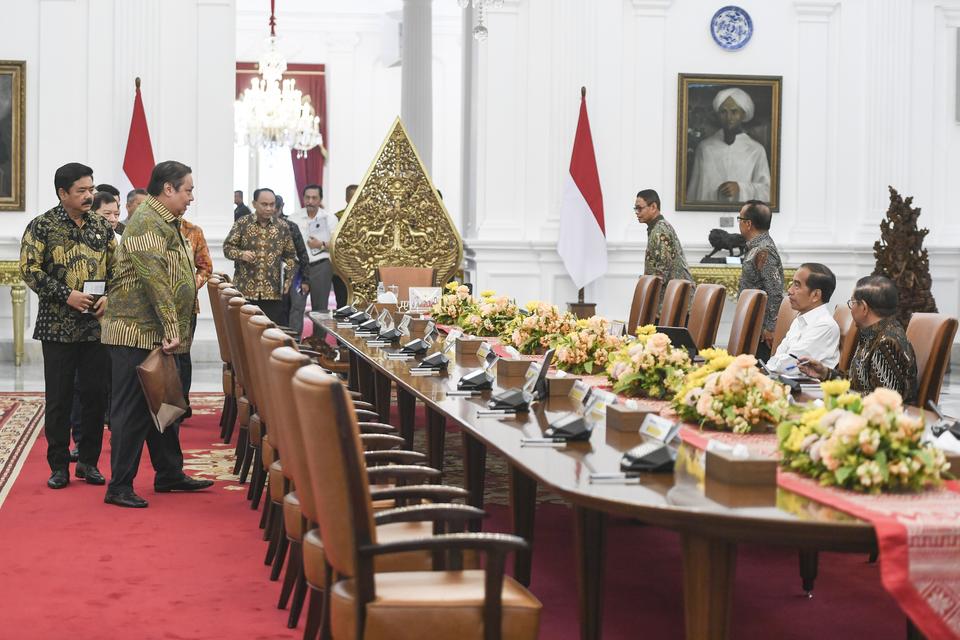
<point x="108" y="188"/>
<point x="134" y="193"/>
<point x="279" y="203"/>
<point x="312" y="186"/>
<point x="757" y="212"/>
<point x="820" y="278"/>
<point x="650" y="197"/>
<point x="101" y="197"/>
<point x="256" y="193"/>
<point x="68" y="174"/>
<point x="880" y="294"/>
<point x="238" y="191"/>
<point x="168" y="171"/>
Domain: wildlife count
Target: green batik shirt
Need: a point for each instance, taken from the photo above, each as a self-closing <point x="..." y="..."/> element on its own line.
<point x="274" y="255"/>
<point x="153" y="292"/>
<point x="762" y="269"/>
<point x="56" y="257"/>
<point x="664" y="256"/>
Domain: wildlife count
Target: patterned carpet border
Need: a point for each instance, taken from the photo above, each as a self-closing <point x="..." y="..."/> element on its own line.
<point x="21" y="420"/>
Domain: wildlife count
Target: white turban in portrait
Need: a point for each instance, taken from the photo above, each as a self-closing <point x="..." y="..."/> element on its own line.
<point x="739" y="96"/>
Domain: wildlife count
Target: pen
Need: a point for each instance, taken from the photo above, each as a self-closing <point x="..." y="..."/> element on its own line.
<point x="614" y="476"/>
<point x="496" y="412"/>
<point x="465" y="394"/>
<point x="541" y="440"/>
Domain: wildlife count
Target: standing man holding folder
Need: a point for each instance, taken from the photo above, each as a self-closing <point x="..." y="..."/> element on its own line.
<point x="65" y="258"/>
<point x="153" y="296"/>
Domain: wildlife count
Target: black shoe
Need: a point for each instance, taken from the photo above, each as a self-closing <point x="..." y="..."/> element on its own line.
<point x="186" y="483"/>
<point x="89" y="473"/>
<point x="188" y="414"/>
<point x="59" y="479"/>
<point x="125" y="499"/>
<point x="74" y="455"/>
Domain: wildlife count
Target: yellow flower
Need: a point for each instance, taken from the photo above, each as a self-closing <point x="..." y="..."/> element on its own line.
<point x="487" y="293"/>
<point x="646" y="330"/>
<point x="835" y="387"/>
<point x="452" y="286"/>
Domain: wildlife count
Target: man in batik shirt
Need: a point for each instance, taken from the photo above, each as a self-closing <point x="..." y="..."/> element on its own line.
<point x="263" y="255"/>
<point x="761" y="268"/>
<point x="197" y="245"/>
<point x="66" y="251"/>
<point x="664" y="255"/>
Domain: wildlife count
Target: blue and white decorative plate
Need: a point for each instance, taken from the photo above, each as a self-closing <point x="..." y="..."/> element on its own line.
<point x="731" y="28"/>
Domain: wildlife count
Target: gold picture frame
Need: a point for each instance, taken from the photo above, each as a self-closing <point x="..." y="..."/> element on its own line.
<point x="725" y="158"/>
<point x="12" y="134"/>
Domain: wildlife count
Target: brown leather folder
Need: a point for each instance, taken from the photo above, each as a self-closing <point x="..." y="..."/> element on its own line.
<point x="161" y="388"/>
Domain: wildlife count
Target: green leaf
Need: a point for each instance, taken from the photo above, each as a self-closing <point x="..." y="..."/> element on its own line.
<point x="588" y="366"/>
<point x="842" y="474"/>
<point x="783" y="431"/>
<point x="881" y="459"/>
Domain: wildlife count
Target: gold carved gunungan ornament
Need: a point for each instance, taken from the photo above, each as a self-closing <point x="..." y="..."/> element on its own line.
<point x="396" y="219"/>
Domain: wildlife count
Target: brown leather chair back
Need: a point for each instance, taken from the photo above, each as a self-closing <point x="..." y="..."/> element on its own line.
<point x="404" y="278"/>
<point x="747" y="322"/>
<point x="336" y="466"/>
<point x="248" y="342"/>
<point x="676" y="301"/>
<point x="849" y="332"/>
<point x="785" y="318"/>
<point x="283" y="363"/>
<point x="646" y="296"/>
<point x="253" y="328"/>
<point x="931" y="335"/>
<point x="221" y="306"/>
<point x="235" y="334"/>
<point x="705" y="312"/>
<point x="213" y="292"/>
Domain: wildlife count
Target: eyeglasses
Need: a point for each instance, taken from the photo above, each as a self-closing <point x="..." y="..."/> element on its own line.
<point x="743" y="219"/>
<point x="851" y="302"/>
<point x="638" y="208"/>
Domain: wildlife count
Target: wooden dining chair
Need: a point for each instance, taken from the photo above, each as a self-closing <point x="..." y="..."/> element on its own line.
<point x="232" y="302"/>
<point x="705" y="311"/>
<point x="849" y="332"/>
<point x="676" y="301"/>
<point x="747" y="322"/>
<point x="404" y="278"/>
<point x="226" y="375"/>
<point x="367" y="603"/>
<point x="646" y="297"/>
<point x="931" y="335"/>
<point x="785" y="318"/>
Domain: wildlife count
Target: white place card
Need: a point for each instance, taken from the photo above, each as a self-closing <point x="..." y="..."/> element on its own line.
<point x="658" y="427"/>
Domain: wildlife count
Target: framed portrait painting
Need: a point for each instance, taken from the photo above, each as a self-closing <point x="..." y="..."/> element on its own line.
<point x="12" y="142"/>
<point x="728" y="141"/>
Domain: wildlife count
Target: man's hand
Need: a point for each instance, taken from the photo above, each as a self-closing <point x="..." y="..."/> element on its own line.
<point x="248" y="256"/>
<point x="79" y="300"/>
<point x="100" y="306"/>
<point x="814" y="369"/>
<point x="170" y="345"/>
<point x="315" y="243"/>
<point x="305" y="288"/>
<point x="767" y="337"/>
<point x="730" y="190"/>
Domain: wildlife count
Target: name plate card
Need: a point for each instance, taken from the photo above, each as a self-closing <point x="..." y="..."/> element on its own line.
<point x="659" y="428"/>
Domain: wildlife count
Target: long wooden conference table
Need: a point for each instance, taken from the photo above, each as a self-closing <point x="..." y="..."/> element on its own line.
<point x="711" y="518"/>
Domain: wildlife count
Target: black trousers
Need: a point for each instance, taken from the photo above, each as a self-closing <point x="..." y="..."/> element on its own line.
<point x="185" y="364"/>
<point x="273" y="309"/>
<point x="340" y="291"/>
<point x="131" y="426"/>
<point x="64" y="363"/>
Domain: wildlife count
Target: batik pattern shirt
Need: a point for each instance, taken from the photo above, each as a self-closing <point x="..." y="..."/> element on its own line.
<point x="56" y="257"/>
<point x="274" y="254"/>
<point x="664" y="256"/>
<point x="762" y="269"/>
<point x="303" y="258"/>
<point x="884" y="358"/>
<point x="154" y="290"/>
<point x="197" y="246"/>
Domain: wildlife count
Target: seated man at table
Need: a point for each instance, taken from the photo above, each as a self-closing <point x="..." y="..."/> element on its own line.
<point x="884" y="356"/>
<point x="814" y="334"/>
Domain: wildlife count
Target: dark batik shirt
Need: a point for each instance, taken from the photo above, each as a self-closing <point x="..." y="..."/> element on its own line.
<point x="274" y="253"/>
<point x="762" y="269"/>
<point x="56" y="257"/>
<point x="664" y="256"/>
<point x="303" y="258"/>
<point x="884" y="358"/>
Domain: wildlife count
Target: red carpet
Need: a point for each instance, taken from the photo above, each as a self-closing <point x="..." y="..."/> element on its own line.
<point x="190" y="567"/>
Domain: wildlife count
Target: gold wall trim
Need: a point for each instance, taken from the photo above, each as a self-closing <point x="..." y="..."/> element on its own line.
<point x="729" y="277"/>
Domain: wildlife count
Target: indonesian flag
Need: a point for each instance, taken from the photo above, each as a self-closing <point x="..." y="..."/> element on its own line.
<point x="583" y="241"/>
<point x="138" y="160"/>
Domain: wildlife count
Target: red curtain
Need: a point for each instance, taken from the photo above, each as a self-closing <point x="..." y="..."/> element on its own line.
<point x="311" y="80"/>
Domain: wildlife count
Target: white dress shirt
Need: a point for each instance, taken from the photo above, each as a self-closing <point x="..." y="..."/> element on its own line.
<point x="321" y="226"/>
<point x="813" y="335"/>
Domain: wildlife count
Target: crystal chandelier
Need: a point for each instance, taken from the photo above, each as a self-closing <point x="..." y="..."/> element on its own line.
<point x="273" y="113"/>
<point x="480" y="32"/>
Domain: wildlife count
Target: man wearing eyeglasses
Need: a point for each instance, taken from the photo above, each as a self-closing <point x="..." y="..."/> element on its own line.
<point x="761" y="267"/>
<point x="813" y="334"/>
<point x="664" y="256"/>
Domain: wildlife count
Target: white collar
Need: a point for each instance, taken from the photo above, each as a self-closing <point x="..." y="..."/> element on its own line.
<point x="817" y="313"/>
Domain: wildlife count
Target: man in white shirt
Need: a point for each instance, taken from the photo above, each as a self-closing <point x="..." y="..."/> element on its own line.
<point x="814" y="334"/>
<point x="317" y="226"/>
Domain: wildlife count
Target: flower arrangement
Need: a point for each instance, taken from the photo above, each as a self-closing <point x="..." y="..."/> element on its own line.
<point x="730" y="393"/>
<point x="489" y="316"/>
<point x="649" y="366"/>
<point x="587" y="348"/>
<point x="533" y="331"/>
<point x="867" y="444"/>
<point x="453" y="304"/>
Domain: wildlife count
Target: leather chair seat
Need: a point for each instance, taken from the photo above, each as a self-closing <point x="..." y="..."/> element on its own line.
<point x="432" y="604"/>
<point x="293" y="520"/>
<point x="267" y="453"/>
<point x="276" y="482"/>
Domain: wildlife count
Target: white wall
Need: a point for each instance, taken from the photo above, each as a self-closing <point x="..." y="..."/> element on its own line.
<point x="868" y="101"/>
